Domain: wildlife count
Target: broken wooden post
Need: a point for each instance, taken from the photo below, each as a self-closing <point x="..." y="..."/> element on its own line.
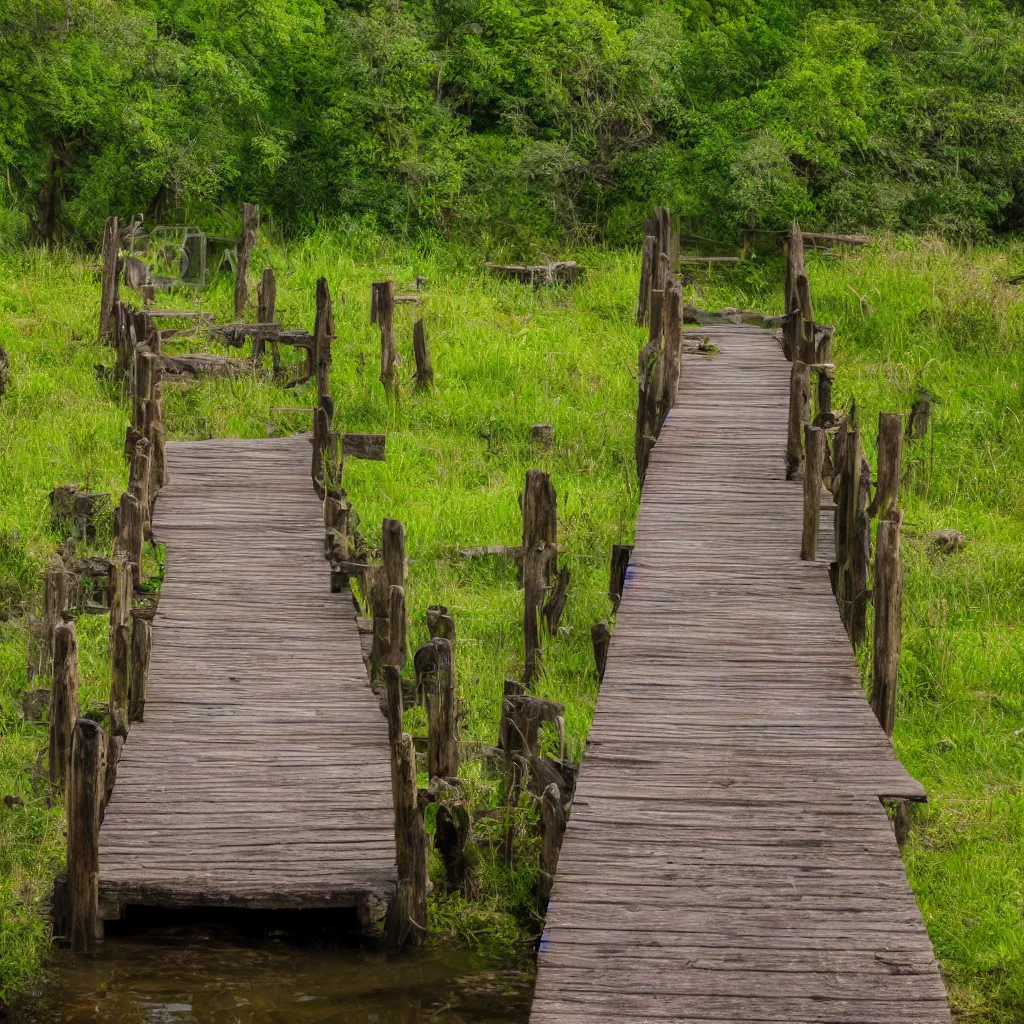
<point x="540" y="540"/>
<point x="142" y="384"/>
<point x="441" y="625"/>
<point x="555" y="603"/>
<point x="83" y="802"/>
<point x="397" y="627"/>
<point x="600" y="638"/>
<point x="453" y="840"/>
<point x="799" y="417"/>
<point x="860" y="559"/>
<point x="266" y="308"/>
<point x="142" y="644"/>
<point x="393" y="551"/>
<point x="552" y="829"/>
<point x="378" y="592"/>
<point x="138" y="480"/>
<point x="63" y="702"/>
<point x="109" y="284"/>
<point x="647" y="263"/>
<point x="672" y="348"/>
<point x="394" y="705"/>
<point x="56" y="599"/>
<point x="128" y="535"/>
<point x="442" y="735"/>
<point x="795" y="294"/>
<point x="246" y="244"/>
<point x="649" y="371"/>
<point x="421" y="350"/>
<point x="815" y="460"/>
<point x="323" y="335"/>
<point x="120" y="613"/>
<point x="383" y="313"/>
<point x="336" y="541"/>
<point x="76" y="513"/>
<point x="887" y="592"/>
<point x="617" y="576"/>
<point x="542" y="437"/>
<point x="825" y="373"/>
<point x="406" y="920"/>
<point x="890" y="457"/>
<point x="920" y="415"/>
<point x="364" y="446"/>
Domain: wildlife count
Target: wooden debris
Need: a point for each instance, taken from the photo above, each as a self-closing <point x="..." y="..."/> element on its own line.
<point x="364" y="446"/>
<point x="83" y="803"/>
<point x="887" y="592"/>
<point x="522" y="716"/>
<point x="799" y="417"/>
<point x="545" y="274"/>
<point x="246" y="244"/>
<point x="63" y="703"/>
<point x="948" y="542"/>
<point x="397" y="628"/>
<point x="555" y="603"/>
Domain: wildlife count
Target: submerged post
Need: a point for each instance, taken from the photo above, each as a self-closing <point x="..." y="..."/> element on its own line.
<point x="84" y="800"/>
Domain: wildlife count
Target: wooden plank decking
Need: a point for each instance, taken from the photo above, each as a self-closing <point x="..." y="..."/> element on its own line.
<point x="261" y="774"/>
<point x="728" y="858"/>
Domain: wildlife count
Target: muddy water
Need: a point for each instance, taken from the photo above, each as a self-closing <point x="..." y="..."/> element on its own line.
<point x="226" y="971"/>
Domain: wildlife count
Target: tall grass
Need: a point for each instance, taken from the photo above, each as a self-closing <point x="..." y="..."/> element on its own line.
<point x="909" y="314"/>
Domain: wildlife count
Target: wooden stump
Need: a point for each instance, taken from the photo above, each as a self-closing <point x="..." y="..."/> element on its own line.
<point x="442" y="721"/>
<point x="920" y="416"/>
<point x="540" y="545"/>
<point x="393" y="548"/>
<point x="617" y="576"/>
<point x="109" y="284"/>
<point x="555" y="603"/>
<point x="600" y="638"/>
<point x="323" y="335"/>
<point x="63" y="702"/>
<point x="815" y="460"/>
<point x="542" y="437"/>
<point x="142" y="644"/>
<point x="266" y="309"/>
<point x="83" y="803"/>
<point x="246" y="244"/>
<point x="406" y="921"/>
<point x="890" y="457"/>
<point x="383" y="313"/>
<point x="421" y="350"/>
<point x="799" y="417"/>
<point x="888" y="638"/>
<point x="128" y="535"/>
<point x="647" y="262"/>
<point x="552" y="829"/>
<point x="453" y="840"/>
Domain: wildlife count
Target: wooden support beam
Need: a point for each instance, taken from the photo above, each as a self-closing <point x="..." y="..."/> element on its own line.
<point x="443" y="740"/>
<point x="63" y="702"/>
<point x="815" y="451"/>
<point x="887" y="592"/>
<point x="83" y="804"/>
<point x="421" y="351"/>
<point x="540" y="546"/>
<point x="246" y="244"/>
<point x="109" y="282"/>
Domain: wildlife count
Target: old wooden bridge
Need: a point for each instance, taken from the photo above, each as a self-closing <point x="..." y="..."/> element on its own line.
<point x="260" y="776"/>
<point x="728" y="857"/>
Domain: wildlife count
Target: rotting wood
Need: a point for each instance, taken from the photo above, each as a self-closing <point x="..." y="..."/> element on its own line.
<point x="860" y="559"/>
<point x="266" y="309"/>
<point x="128" y="534"/>
<point x="540" y="546"/>
<point x="890" y="457"/>
<point x="707" y="260"/>
<point x="814" y="443"/>
<point x="442" y="718"/>
<point x="920" y="415"/>
<point x="600" y="638"/>
<point x="555" y="603"/>
<point x="647" y="261"/>
<point x="493" y="551"/>
<point x="323" y="335"/>
<point x="142" y="644"/>
<point x="542" y="437"/>
<point x="617" y="574"/>
<point x="522" y="716"/>
<point x="138" y="481"/>
<point x="109" y="280"/>
<point x="406" y="921"/>
<point x="63" y="703"/>
<point x="544" y="274"/>
<point x="85" y="793"/>
<point x="246" y="244"/>
<point x="364" y="446"/>
<point x="887" y="592"/>
<point x="421" y="353"/>
<point x="799" y="417"/>
<point x="552" y="829"/>
<point x="672" y="349"/>
<point x="120" y="612"/>
<point x="453" y="840"/>
<point x="383" y="314"/>
<point x="397" y="628"/>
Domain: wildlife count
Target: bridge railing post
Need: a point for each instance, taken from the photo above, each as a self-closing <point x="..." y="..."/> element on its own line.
<point x="815" y="461"/>
<point x="83" y="803"/>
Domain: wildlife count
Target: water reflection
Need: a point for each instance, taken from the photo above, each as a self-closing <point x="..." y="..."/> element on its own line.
<point x="243" y="969"/>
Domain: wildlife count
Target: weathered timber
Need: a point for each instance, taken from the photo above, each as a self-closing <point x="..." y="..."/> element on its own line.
<point x="647" y="262"/>
<point x="799" y="417"/>
<point x="76" y="513"/>
<point x="397" y="628"/>
<point x="453" y="840"/>
<point x="540" y="546"/>
<point x="119" y="640"/>
<point x="383" y="314"/>
<point x="128" y="534"/>
<point x="522" y="719"/>
<point x="552" y="829"/>
<point x="63" y="702"/>
<point x="795" y="269"/>
<point x="685" y="260"/>
<point x="139" y="472"/>
<point x="617" y="574"/>
<point x="555" y="603"/>
<point x="109" y="279"/>
<point x="364" y="446"/>
<point x="406" y="921"/>
<point x="542" y="437"/>
<point x="513" y="551"/>
<point x="887" y="592"/>
<point x="84" y="798"/>
<point x="142" y="644"/>
<point x="824" y="372"/>
<point x="35" y="702"/>
<point x="890" y="457"/>
<point x="920" y="415"/>
<point x="825" y="238"/>
<point x="649" y="370"/>
<point x="672" y="348"/>
<point x="246" y="244"/>
<point x="200" y="364"/>
<point x="323" y="335"/>
<point x="860" y="559"/>
<point x="421" y="352"/>
<point x="393" y="551"/>
<point x="814" y="443"/>
<point x="57" y="598"/>
<point x="600" y="638"/>
<point x="154" y="431"/>
<point x="142" y="384"/>
<point x="442" y="718"/>
<point x="558" y="272"/>
<point x="266" y="309"/>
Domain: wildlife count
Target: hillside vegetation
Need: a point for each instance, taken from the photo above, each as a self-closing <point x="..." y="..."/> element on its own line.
<point x="513" y="120"/>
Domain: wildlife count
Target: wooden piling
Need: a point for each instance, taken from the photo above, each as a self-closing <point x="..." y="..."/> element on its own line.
<point x="442" y="735"/>
<point x="397" y="628"/>
<point x="825" y="373"/>
<point x="406" y="921"/>
<point x="453" y="840"/>
<point x="649" y="371"/>
<point x="860" y="559"/>
<point x="647" y="263"/>
<point x="600" y="638"/>
<point x="120" y="612"/>
<point x="56" y="598"/>
<point x="814" y="439"/>
<point x="384" y="313"/>
<point x="552" y="829"/>
<point x="266" y="309"/>
<point x="672" y="348"/>
<point x="142" y="385"/>
<point x="142" y="644"/>
<point x="128" y="539"/>
<point x="246" y="244"/>
<point x="63" y="702"/>
<point x="323" y="335"/>
<point x="890" y="457"/>
<point x="799" y="417"/>
<point x="83" y="803"/>
<point x="138" y="480"/>
<point x="393" y="551"/>
<point x="109" y="283"/>
<point x="540" y="540"/>
<point x="887" y="593"/>
<point x="617" y="574"/>
<point x="421" y="351"/>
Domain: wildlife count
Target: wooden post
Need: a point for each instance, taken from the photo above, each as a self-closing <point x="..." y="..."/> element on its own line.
<point x="826" y="375"/>
<point x="266" y="307"/>
<point x="56" y="597"/>
<point x="815" y="445"/>
<point x="672" y="348"/>
<point x="552" y="829"/>
<point x="320" y="469"/>
<point x="138" y="479"/>
<point x="323" y="334"/>
<point x="120" y="612"/>
<point x="378" y="591"/>
<point x="246" y="244"/>
<point x="542" y="437"/>
<point x="397" y="627"/>
<point x="384" y="311"/>
<point x="453" y="840"/>
<point x="617" y="575"/>
<point x="84" y="799"/>
<point x="421" y="350"/>
<point x="129" y="534"/>
<point x="442" y="735"/>
<point x="799" y="417"/>
<point x="890" y="457"/>
<point x="63" y="702"/>
<point x="394" y="706"/>
<point x="860" y="559"/>
<point x="795" y="269"/>
<point x="647" y="263"/>
<point x="406" y="921"/>
<point x="142" y="385"/>
<point x="392" y="535"/>
<point x="540" y="540"/>
<point x="142" y="643"/>
<point x="109" y="284"/>
<point x="920" y="416"/>
<point x="649" y="370"/>
<point x="888" y="638"/>
<point x="600" y="638"/>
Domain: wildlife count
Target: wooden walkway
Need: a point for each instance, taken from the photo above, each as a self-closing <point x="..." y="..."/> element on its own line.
<point x="728" y="858"/>
<point x="261" y="774"/>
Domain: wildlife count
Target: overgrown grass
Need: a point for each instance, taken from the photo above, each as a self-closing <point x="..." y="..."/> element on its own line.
<point x="909" y="314"/>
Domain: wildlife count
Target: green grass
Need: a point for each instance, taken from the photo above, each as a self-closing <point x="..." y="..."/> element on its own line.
<point x="507" y="357"/>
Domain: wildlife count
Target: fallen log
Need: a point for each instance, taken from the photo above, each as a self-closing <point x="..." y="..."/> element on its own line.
<point x="560" y="272"/>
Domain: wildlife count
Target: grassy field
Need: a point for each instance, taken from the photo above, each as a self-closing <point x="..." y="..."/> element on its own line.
<point x="909" y="313"/>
